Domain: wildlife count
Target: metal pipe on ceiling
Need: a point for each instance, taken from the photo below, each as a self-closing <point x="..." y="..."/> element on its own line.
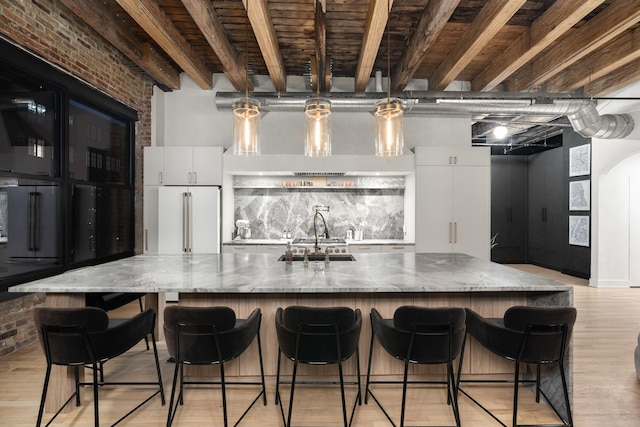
<point x="582" y="113"/>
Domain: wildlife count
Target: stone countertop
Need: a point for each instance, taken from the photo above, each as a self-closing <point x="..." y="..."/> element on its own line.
<point x="262" y="273"/>
<point x="349" y="242"/>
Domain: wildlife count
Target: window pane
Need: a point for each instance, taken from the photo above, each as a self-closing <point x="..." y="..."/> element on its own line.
<point x="29" y="225"/>
<point x="98" y="149"/>
<point x="27" y="127"/>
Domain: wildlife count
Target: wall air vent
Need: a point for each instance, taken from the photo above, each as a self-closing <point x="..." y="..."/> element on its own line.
<point x="319" y="173"/>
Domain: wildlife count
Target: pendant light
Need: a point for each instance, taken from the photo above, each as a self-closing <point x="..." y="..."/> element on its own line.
<point x="317" y="128"/>
<point x="246" y="114"/>
<point x="389" y="113"/>
<point x="317" y="125"/>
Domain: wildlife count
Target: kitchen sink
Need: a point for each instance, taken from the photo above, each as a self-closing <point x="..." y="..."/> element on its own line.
<point x="320" y="257"/>
<point x="311" y="241"/>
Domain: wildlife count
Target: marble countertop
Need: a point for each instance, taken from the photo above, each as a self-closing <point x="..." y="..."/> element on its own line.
<point x="262" y="273"/>
<point x="350" y="242"/>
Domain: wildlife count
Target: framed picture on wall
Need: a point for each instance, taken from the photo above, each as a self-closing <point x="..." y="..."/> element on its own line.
<point x="579" y="195"/>
<point x="579" y="230"/>
<point x="580" y="160"/>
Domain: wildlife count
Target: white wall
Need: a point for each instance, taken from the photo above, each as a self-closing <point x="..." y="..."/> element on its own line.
<point x="613" y="162"/>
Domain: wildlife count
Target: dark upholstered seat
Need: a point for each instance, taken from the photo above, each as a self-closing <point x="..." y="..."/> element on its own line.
<point x="318" y="336"/>
<point x="419" y="335"/>
<point x="82" y="336"/>
<point x="528" y="335"/>
<point x="112" y="300"/>
<point x="209" y="336"/>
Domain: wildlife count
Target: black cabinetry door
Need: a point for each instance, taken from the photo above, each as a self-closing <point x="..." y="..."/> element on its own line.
<point x="547" y="217"/>
<point x="509" y="209"/>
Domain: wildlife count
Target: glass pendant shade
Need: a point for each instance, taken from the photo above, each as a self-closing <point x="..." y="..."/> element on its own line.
<point x="317" y="128"/>
<point x="389" y="138"/>
<point x="246" y="127"/>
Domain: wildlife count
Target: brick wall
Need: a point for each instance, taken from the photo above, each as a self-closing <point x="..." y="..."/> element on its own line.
<point x="16" y="323"/>
<point x="50" y="31"/>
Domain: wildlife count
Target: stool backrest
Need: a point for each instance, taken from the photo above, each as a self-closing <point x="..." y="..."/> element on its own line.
<point x="64" y="332"/>
<point x="318" y="335"/>
<point x="204" y="335"/>
<point x="422" y="334"/>
<point x="546" y="331"/>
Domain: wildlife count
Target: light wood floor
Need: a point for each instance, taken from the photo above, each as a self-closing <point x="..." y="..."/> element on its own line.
<point x="606" y="389"/>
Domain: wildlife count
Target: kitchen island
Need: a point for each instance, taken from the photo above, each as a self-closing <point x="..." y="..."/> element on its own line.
<point x="384" y="281"/>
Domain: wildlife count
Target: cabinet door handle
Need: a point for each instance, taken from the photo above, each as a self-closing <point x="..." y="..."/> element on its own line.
<point x="450" y="160"/>
<point x="455" y="160"/>
<point x="450" y="233"/>
<point x="455" y="232"/>
<point x="146" y="239"/>
<point x="160" y="173"/>
<point x="195" y="177"/>
<point x="189" y="177"/>
<point x="397" y="248"/>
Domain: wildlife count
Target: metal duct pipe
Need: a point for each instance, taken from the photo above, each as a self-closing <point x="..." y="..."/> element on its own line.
<point x="582" y="113"/>
<point x="590" y="124"/>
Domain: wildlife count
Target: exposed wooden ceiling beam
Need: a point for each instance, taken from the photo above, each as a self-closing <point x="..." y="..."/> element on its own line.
<point x="99" y="17"/>
<point x="601" y="29"/>
<point x="157" y="65"/>
<point x="321" y="44"/>
<point x="559" y="18"/>
<point x="148" y="15"/>
<point x="436" y="14"/>
<point x="493" y="16"/>
<point x="622" y="77"/>
<point x="620" y="52"/>
<point x="377" y="17"/>
<point x="206" y="18"/>
<point x="265" y="33"/>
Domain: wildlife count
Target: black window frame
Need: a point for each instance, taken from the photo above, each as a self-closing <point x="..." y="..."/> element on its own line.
<point x="17" y="60"/>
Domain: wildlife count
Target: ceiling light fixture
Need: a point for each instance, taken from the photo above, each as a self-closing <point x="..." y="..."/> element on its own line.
<point x="389" y="113"/>
<point x="500" y="132"/>
<point x="246" y="114"/>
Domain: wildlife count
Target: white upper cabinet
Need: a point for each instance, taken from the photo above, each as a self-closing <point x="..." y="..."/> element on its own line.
<point x="192" y="166"/>
<point x="153" y="165"/>
<point x="443" y="156"/>
<point x="182" y="166"/>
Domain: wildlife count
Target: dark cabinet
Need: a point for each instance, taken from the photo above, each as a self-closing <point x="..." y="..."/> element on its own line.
<point x="547" y="216"/>
<point x="509" y="209"/>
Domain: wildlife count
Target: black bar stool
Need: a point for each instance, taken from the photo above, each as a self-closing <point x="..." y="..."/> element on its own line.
<point x="318" y="336"/>
<point x="210" y="336"/>
<point x="83" y="336"/>
<point x="419" y="335"/>
<point x="529" y="335"/>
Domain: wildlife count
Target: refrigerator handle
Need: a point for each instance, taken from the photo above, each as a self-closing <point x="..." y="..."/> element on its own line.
<point x="33" y="220"/>
<point x="189" y="235"/>
<point x="184" y="222"/>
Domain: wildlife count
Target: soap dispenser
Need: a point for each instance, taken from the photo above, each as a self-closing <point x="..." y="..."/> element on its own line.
<point x="288" y="254"/>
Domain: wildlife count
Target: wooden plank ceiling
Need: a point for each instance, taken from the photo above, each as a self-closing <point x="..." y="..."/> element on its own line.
<point x="582" y="47"/>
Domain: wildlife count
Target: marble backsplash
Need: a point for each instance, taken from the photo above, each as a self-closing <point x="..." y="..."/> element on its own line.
<point x="272" y="209"/>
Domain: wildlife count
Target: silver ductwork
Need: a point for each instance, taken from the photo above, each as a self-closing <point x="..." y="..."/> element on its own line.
<point x="582" y="113"/>
<point x="590" y="124"/>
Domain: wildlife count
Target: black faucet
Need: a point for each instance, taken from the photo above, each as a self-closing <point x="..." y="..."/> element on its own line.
<point x="316" y="246"/>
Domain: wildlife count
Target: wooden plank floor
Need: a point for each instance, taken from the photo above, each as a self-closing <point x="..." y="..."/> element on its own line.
<point x="606" y="389"/>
